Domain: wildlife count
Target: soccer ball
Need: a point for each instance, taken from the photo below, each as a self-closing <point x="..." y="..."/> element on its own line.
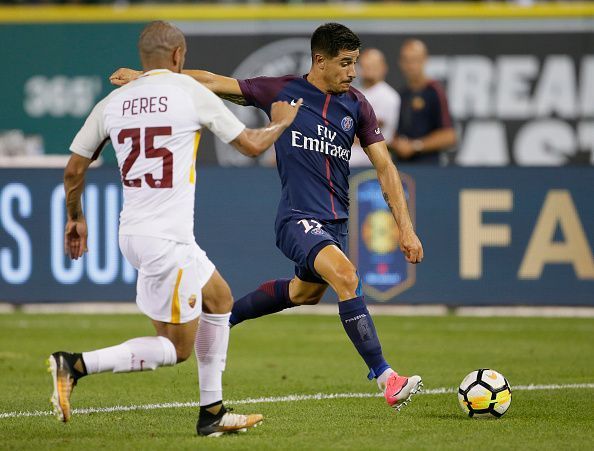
<point x="484" y="393"/>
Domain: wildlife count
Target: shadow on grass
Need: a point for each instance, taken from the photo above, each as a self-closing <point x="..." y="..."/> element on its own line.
<point x="448" y="416"/>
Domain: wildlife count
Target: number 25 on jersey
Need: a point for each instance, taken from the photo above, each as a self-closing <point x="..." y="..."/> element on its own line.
<point x="149" y="152"/>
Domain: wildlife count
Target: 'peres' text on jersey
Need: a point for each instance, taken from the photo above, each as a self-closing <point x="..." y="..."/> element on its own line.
<point x="144" y="105"/>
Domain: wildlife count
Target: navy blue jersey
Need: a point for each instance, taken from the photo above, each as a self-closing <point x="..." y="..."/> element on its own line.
<point x="313" y="154"/>
<point x="422" y="112"/>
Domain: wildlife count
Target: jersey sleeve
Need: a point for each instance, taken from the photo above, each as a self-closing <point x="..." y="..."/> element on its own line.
<point x="368" y="130"/>
<point x="261" y="92"/>
<point x="93" y="136"/>
<point x="214" y="115"/>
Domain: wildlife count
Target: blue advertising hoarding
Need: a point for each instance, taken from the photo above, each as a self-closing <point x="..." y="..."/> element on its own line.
<point x="490" y="236"/>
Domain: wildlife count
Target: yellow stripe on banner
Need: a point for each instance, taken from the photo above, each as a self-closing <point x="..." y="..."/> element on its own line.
<point x="336" y="11"/>
<point x="175" y="306"/>
<point x="193" y="167"/>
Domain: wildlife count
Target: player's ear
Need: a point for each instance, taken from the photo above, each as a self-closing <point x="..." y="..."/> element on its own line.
<point x="178" y="58"/>
<point x="320" y="60"/>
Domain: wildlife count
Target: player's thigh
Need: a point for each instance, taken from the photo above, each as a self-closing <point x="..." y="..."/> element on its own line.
<point x="302" y="292"/>
<point x="170" y="277"/>
<point x="300" y="240"/>
<point x="334" y="266"/>
<point x="216" y="295"/>
<point x="181" y="335"/>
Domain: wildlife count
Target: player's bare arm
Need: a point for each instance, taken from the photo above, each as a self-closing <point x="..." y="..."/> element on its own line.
<point x="75" y="235"/>
<point x="226" y="88"/>
<point x="253" y="142"/>
<point x="393" y="192"/>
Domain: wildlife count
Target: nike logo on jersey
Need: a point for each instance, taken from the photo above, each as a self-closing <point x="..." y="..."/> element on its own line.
<point x="294" y="102"/>
<point x="377" y="131"/>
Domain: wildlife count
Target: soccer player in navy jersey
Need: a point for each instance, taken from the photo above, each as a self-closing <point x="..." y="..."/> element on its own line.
<point x="313" y="163"/>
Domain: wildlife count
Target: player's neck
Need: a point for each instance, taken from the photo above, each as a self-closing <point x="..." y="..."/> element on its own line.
<point x="159" y="65"/>
<point x="318" y="82"/>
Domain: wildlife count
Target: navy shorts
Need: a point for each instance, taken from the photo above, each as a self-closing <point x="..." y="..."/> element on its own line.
<point x="301" y="239"/>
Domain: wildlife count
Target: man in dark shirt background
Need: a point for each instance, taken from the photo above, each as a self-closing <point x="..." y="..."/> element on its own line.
<point x="425" y="127"/>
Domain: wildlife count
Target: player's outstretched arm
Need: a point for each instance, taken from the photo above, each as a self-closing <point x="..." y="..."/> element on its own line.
<point x="253" y="142"/>
<point x="225" y="87"/>
<point x="75" y="234"/>
<point x="391" y="185"/>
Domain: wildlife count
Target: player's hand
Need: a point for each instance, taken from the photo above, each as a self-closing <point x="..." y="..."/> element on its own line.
<point x="124" y="75"/>
<point x="75" y="238"/>
<point x="284" y="112"/>
<point x="411" y="247"/>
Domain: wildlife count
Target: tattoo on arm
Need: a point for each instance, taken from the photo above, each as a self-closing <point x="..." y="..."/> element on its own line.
<point x="387" y="199"/>
<point x="235" y="98"/>
<point x="75" y="213"/>
<point x="73" y="205"/>
<point x="74" y="188"/>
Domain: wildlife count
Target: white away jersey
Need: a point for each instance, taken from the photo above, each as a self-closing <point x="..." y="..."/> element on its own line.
<point x="385" y="101"/>
<point x="154" y="125"/>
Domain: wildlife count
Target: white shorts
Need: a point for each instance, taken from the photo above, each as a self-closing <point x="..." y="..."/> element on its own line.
<point x="170" y="277"/>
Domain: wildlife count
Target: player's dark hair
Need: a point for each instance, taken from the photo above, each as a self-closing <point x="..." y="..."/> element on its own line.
<point x="329" y="39"/>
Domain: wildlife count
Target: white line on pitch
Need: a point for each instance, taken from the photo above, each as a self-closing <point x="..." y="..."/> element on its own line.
<point x="273" y="399"/>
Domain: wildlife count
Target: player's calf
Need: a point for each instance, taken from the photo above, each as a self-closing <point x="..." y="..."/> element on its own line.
<point x="270" y="297"/>
<point x="138" y="354"/>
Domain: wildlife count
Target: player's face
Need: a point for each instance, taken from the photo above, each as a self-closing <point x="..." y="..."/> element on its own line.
<point x="339" y="72"/>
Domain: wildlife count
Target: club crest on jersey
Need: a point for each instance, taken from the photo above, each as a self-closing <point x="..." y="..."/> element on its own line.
<point x="192" y="301"/>
<point x="346" y="123"/>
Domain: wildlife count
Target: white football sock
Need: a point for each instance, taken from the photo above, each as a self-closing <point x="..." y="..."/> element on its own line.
<point x="138" y="354"/>
<point x="211" y="344"/>
<point x="383" y="378"/>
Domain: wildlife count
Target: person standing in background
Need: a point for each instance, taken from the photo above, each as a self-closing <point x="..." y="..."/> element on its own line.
<point x="425" y="127"/>
<point x="384" y="99"/>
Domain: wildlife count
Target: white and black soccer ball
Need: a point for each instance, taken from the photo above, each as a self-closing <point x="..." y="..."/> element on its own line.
<point x="484" y="393"/>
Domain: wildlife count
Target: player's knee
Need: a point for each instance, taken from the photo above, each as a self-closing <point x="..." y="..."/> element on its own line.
<point x="225" y="301"/>
<point x="307" y="298"/>
<point x="183" y="352"/>
<point x="218" y="299"/>
<point x="346" y="278"/>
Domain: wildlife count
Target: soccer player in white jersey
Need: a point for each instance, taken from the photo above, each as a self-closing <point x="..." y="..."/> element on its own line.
<point x="154" y="124"/>
<point x="384" y="99"/>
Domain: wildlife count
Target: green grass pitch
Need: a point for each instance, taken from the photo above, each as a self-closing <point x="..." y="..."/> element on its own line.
<point x="297" y="355"/>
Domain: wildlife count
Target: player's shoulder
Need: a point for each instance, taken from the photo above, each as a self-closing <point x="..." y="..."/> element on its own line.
<point x="358" y="97"/>
<point x="109" y="98"/>
<point x="182" y="81"/>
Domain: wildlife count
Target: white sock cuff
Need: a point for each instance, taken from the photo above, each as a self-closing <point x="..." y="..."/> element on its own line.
<point x="217" y="319"/>
<point x="169" y="352"/>
<point x="91" y="361"/>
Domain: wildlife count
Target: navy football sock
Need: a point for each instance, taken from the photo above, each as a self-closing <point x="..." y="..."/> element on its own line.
<point x="270" y="297"/>
<point x="358" y="325"/>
